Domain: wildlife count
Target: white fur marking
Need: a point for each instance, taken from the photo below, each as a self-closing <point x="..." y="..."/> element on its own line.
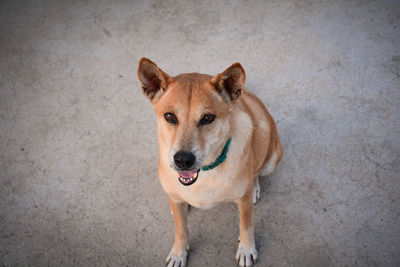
<point x="256" y="190"/>
<point x="226" y="97"/>
<point x="270" y="166"/>
<point x="217" y="95"/>
<point x="242" y="132"/>
<point x="157" y="95"/>
<point x="263" y="126"/>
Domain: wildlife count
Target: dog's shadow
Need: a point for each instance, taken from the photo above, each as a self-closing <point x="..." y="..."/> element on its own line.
<point x="218" y="228"/>
<point x="265" y="185"/>
<point x="262" y="230"/>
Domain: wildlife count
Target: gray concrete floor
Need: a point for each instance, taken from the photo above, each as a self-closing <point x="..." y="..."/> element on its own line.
<point x="78" y="146"/>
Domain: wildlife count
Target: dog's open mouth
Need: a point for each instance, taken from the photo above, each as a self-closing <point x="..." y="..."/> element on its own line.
<point x="188" y="177"/>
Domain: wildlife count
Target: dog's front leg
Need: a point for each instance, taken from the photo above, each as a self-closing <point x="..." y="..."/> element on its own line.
<point x="246" y="254"/>
<point x="178" y="254"/>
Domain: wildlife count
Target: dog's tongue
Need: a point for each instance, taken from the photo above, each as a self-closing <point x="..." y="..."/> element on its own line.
<point x="187" y="174"/>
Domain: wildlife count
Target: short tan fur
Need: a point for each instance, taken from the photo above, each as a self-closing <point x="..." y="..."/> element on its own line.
<point x="255" y="148"/>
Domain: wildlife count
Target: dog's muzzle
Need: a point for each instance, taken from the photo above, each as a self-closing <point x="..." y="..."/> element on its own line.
<point x="185" y="161"/>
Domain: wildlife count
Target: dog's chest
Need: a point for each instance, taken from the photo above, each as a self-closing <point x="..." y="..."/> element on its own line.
<point x="211" y="190"/>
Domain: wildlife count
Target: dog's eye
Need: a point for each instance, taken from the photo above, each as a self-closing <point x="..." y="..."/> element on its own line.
<point x="171" y="118"/>
<point x="207" y="119"/>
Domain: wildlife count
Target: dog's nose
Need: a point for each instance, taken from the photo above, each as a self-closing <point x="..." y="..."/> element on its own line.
<point x="184" y="160"/>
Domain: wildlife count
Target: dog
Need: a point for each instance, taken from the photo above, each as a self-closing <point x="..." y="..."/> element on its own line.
<point x="215" y="138"/>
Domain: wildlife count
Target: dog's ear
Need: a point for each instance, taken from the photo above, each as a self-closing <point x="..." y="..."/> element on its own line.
<point x="231" y="81"/>
<point x="153" y="80"/>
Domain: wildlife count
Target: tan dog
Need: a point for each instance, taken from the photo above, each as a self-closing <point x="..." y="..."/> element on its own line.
<point x="214" y="138"/>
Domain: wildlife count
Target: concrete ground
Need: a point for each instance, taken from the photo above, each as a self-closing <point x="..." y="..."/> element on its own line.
<point x="78" y="146"/>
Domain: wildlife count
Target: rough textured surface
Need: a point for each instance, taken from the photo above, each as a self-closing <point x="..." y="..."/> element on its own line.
<point x="78" y="146"/>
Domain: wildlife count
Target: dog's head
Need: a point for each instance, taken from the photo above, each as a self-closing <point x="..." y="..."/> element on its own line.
<point x="193" y="113"/>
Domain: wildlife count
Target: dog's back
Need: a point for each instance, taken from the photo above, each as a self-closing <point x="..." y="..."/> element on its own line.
<point x="266" y="144"/>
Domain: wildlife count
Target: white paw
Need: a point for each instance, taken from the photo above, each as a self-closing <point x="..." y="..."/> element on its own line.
<point x="256" y="191"/>
<point x="246" y="256"/>
<point x="176" y="260"/>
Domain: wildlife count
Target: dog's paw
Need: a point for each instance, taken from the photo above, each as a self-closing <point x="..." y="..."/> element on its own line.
<point x="246" y="256"/>
<point x="176" y="260"/>
<point x="256" y="191"/>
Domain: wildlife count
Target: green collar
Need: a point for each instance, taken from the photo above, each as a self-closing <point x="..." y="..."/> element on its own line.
<point x="221" y="158"/>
